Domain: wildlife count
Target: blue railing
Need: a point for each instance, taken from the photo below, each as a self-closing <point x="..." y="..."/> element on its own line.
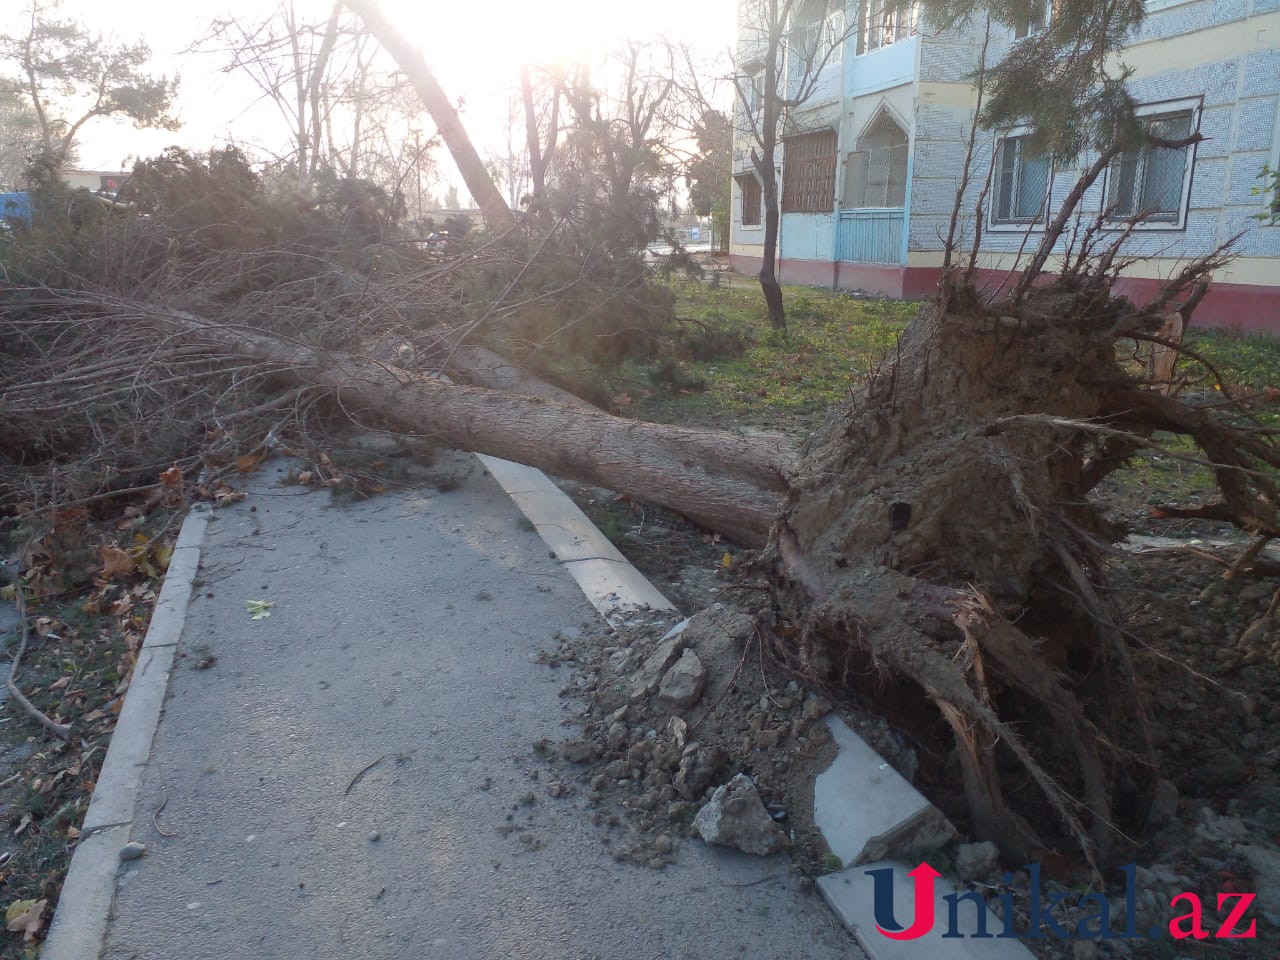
<point x="870" y="235"/>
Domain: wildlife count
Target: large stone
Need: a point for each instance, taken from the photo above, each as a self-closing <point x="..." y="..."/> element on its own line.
<point x="649" y="676"/>
<point x="699" y="766"/>
<point x="683" y="684"/>
<point x="976" y="861"/>
<point x="735" y="817"/>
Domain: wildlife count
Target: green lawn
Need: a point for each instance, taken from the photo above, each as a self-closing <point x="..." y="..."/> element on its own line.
<point x="831" y="341"/>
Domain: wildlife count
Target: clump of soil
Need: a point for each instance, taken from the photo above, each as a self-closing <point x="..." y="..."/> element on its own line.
<point x="651" y="765"/>
<point x="655" y="764"/>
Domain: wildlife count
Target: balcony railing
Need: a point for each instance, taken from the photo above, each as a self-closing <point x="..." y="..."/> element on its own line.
<point x="870" y="235"/>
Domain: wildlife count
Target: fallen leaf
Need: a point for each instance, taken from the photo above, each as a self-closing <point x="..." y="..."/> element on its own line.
<point x="727" y="560"/>
<point x="225" y="495"/>
<point x="304" y="477"/>
<point x="60" y="683"/>
<point x="25" y="917"/>
<point x="171" y="477"/>
<point x="115" y="562"/>
<point x="26" y="817"/>
<point x="247" y="462"/>
<point x="259" y="609"/>
<point x="163" y="554"/>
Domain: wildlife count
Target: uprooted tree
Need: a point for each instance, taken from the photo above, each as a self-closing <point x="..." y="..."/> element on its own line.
<point x="933" y="548"/>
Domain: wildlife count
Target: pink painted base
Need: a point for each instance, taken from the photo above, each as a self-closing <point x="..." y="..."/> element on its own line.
<point x="1242" y="308"/>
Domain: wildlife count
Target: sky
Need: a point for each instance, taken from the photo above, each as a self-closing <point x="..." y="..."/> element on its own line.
<point x="475" y="49"/>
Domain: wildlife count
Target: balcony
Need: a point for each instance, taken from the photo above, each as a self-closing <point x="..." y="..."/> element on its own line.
<point x="870" y="235"/>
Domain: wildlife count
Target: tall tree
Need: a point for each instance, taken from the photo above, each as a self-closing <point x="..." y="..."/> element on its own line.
<point x="20" y="140"/>
<point x="784" y="48"/>
<point x="709" y="172"/>
<point x="70" y="76"/>
<point x="474" y="173"/>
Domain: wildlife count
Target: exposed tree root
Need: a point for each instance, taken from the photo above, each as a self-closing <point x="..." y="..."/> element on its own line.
<point x="939" y="533"/>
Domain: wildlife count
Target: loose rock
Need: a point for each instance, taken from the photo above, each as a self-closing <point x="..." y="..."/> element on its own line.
<point x="683" y="684"/>
<point x="132" y="850"/>
<point x="976" y="861"/>
<point x="736" y="817"/>
<point x="645" y="682"/>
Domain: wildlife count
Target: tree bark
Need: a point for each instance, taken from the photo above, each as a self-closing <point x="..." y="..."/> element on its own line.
<point x="730" y="484"/>
<point x="487" y="196"/>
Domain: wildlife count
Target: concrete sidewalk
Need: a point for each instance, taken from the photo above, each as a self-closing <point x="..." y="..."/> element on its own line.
<point x="401" y="643"/>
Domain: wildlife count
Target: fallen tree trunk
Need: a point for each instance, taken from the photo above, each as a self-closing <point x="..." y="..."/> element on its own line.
<point x="728" y="483"/>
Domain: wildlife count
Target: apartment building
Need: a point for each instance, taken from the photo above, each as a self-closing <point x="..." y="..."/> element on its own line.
<point x="871" y="162"/>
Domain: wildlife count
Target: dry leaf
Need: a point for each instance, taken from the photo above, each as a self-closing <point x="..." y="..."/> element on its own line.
<point x="115" y="562"/>
<point x="25" y="917"/>
<point x="247" y="462"/>
<point x="225" y="495"/>
<point x="60" y="683"/>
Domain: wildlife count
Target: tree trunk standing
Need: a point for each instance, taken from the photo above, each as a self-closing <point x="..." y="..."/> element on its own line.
<point x="768" y="267"/>
<point x="765" y="161"/>
<point x="487" y="196"/>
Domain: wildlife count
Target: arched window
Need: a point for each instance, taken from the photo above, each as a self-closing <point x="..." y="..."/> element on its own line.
<point x="876" y="172"/>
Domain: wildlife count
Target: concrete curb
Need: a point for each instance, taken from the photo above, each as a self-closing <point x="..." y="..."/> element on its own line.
<point x="80" y="921"/>
<point x="611" y="583"/>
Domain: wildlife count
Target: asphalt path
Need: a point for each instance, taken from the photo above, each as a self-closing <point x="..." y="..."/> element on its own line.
<point x="353" y="774"/>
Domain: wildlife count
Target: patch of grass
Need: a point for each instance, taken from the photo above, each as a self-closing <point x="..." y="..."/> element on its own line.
<point x="832" y="340"/>
<point x="1250" y="364"/>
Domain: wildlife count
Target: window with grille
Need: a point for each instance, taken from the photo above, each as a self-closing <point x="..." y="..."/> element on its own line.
<point x="1022" y="178"/>
<point x="1149" y="182"/>
<point x="809" y="173"/>
<point x="875" y="173"/>
<point x="749" y="186"/>
<point x="882" y="23"/>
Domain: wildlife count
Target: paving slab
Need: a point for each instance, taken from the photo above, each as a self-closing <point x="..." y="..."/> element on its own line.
<point x="355" y="776"/>
<point x="849" y="893"/>
<point x="866" y="809"/>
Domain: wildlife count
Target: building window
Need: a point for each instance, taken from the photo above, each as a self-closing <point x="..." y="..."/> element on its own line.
<point x="1033" y="21"/>
<point x="749" y="187"/>
<point x="875" y="174"/>
<point x="809" y="173"/>
<point x="882" y="22"/>
<point x="1150" y="182"/>
<point x="814" y="42"/>
<point x="1022" y="177"/>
